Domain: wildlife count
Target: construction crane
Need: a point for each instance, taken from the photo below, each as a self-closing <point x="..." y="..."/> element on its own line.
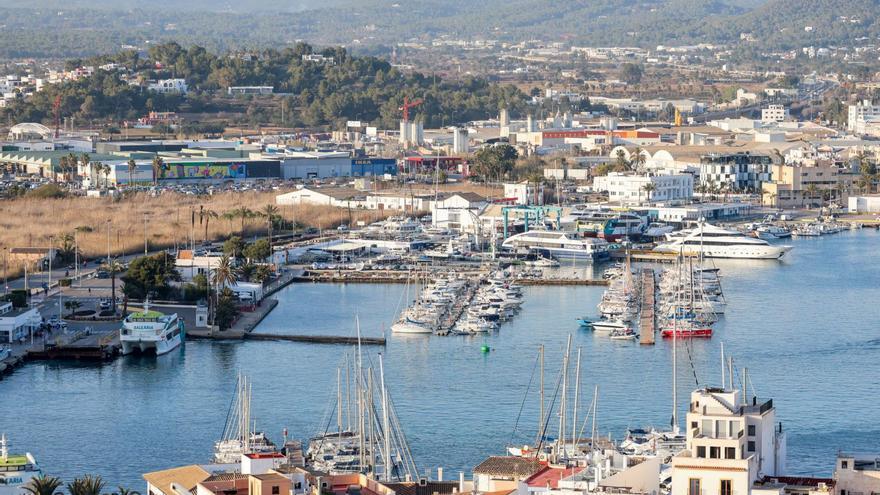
<point x="407" y="105"/>
<point x="56" y="107"/>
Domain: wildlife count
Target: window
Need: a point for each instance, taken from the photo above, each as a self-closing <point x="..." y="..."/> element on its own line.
<point x="694" y="423"/>
<point x="701" y="452"/>
<point x="844" y="465"/>
<point x="694" y="486"/>
<point x="726" y="487"/>
<point x="715" y="452"/>
<point x="751" y="430"/>
<point x="276" y="490"/>
<point x="751" y="445"/>
<point x="730" y="453"/>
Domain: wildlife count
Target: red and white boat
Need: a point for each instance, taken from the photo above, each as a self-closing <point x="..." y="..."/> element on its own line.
<point x="686" y="330"/>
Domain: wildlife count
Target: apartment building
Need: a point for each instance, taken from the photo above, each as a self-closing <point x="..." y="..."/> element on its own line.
<point x="732" y="442"/>
<point x="802" y="185"/>
<point x="644" y="189"/>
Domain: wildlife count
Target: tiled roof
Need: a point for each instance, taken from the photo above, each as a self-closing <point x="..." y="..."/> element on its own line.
<point x="186" y="476"/>
<point x="508" y="466"/>
<point x="430" y="488"/>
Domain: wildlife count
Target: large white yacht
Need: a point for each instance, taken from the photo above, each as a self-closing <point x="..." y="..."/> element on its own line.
<point x="556" y="244"/>
<point x="715" y="242"/>
<point x="16" y="470"/>
<point x="151" y="331"/>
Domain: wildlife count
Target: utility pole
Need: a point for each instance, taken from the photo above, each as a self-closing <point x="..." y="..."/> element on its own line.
<point x="145" y="233"/>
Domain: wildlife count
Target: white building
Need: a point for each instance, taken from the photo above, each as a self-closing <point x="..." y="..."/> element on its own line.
<point x="774" y="113"/>
<point x="631" y="189"/>
<point x="731" y="443"/>
<point x="169" y="86"/>
<point x="857" y="474"/>
<point x="524" y="193"/>
<point x="330" y="196"/>
<point x="458" y="211"/>
<point x="864" y="112"/>
<point x="864" y="204"/>
<point x="17" y="324"/>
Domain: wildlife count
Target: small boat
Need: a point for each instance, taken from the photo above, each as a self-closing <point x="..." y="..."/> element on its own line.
<point x="542" y="262"/>
<point x="625" y="334"/>
<point x="608" y="325"/>
<point x="584" y="321"/>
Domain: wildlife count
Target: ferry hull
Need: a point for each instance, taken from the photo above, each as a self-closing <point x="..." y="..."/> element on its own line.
<point x="157" y="347"/>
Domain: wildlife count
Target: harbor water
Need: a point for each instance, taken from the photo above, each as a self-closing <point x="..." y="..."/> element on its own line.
<point x="806" y="328"/>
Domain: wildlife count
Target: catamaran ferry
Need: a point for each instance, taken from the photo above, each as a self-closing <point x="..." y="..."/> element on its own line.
<point x="151" y="331"/>
<point x="16" y="470"/>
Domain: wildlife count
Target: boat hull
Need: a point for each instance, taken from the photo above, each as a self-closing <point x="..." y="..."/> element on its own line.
<point x="403" y="327"/>
<point x="687" y="333"/>
<point x="157" y="347"/>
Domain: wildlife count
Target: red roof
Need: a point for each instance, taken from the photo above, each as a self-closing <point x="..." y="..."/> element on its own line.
<point x="550" y="476"/>
<point x="265" y="455"/>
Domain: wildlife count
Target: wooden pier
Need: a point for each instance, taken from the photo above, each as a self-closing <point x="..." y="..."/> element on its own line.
<point x="647" y="316"/>
<point x="317" y="339"/>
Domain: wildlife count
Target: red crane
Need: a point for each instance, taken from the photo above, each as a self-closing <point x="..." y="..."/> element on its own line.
<point x="407" y="105"/>
<point x="56" y="107"/>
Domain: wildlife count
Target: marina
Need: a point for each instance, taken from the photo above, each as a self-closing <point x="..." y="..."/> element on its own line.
<point x="428" y="375"/>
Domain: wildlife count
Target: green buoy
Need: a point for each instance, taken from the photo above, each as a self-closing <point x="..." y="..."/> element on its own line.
<point x="485" y="348"/>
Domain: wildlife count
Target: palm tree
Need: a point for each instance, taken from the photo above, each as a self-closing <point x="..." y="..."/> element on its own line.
<point x="105" y="169"/>
<point x="84" y="160"/>
<point x="132" y="168"/>
<point x="811" y="192"/>
<point x="243" y="213"/>
<point x="43" y="485"/>
<point x="158" y="166"/>
<point x="649" y="188"/>
<point x="206" y="215"/>
<point x="87" y="485"/>
<point x="224" y="274"/>
<point x="638" y="159"/>
<point x="270" y="213"/>
<point x="113" y="267"/>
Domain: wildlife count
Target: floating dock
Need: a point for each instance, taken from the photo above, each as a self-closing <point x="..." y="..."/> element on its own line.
<point x="647" y="316"/>
<point x="84" y="347"/>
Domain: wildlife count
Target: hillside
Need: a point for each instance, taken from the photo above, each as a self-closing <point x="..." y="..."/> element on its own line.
<point x="777" y="24"/>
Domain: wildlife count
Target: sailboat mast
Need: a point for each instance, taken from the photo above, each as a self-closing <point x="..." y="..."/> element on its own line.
<point x="541" y="417"/>
<point x="372" y="458"/>
<point x="577" y="387"/>
<point x="723" y="366"/>
<point x="675" y="309"/>
<point x="595" y="409"/>
<point x="385" y="426"/>
<point x="564" y="402"/>
<point x="339" y="400"/>
<point x="359" y="392"/>
<point x="347" y="392"/>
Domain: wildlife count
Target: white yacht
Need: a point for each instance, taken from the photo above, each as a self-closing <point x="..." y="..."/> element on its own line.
<point x="556" y="244"/>
<point x="715" y="242"/>
<point x="16" y="470"/>
<point x="151" y="331"/>
<point x="416" y="321"/>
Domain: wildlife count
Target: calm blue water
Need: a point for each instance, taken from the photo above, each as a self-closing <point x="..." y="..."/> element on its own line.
<point x="807" y="328"/>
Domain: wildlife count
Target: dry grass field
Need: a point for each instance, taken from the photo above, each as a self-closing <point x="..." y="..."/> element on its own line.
<point x="39" y="222"/>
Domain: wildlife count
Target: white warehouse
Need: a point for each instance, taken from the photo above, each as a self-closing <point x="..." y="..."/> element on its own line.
<point x="635" y="189"/>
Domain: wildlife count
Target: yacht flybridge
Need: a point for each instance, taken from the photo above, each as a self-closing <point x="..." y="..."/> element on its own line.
<point x="710" y="241"/>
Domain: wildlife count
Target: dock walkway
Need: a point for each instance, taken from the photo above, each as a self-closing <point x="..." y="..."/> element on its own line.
<point x="647" y="316"/>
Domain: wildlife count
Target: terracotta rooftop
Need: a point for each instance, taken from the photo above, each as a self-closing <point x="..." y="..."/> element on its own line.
<point x="186" y="476"/>
<point x="519" y="467"/>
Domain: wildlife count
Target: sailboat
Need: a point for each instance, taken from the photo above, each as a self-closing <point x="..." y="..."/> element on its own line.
<point x="239" y="434"/>
<point x="368" y="437"/>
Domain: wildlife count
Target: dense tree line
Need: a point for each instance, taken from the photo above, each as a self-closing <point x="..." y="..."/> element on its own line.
<point x="349" y="88"/>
